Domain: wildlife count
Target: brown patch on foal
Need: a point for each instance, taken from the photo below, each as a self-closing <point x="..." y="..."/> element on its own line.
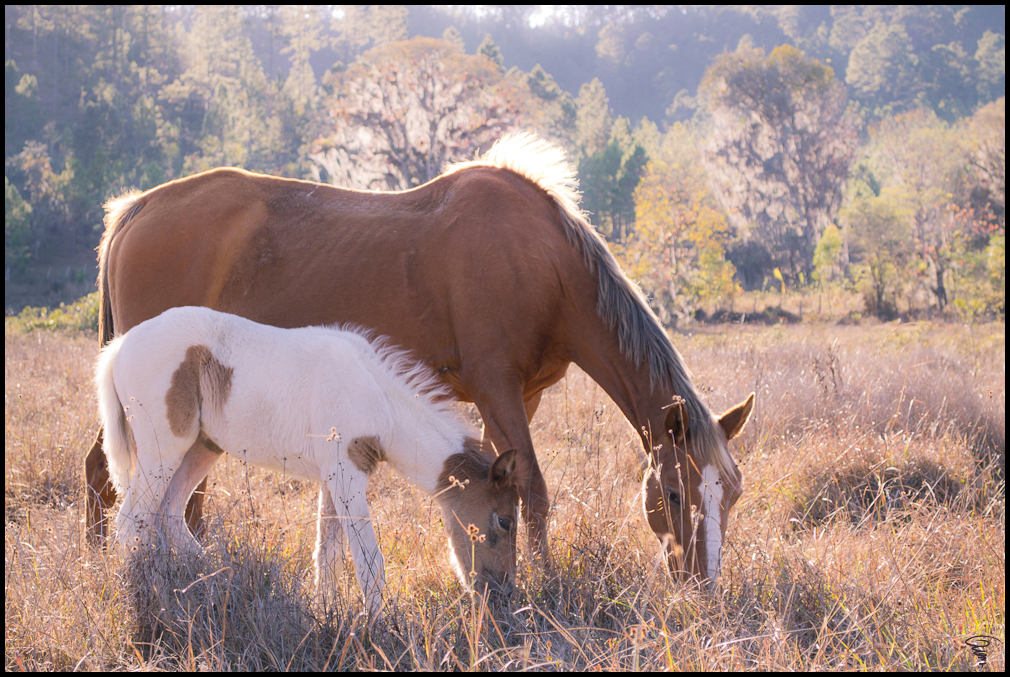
<point x="200" y="376"/>
<point x="365" y="453"/>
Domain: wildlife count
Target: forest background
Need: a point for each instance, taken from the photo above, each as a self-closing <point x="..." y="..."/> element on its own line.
<point x="721" y="151"/>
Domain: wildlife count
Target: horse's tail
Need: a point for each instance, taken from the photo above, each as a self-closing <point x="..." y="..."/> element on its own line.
<point x="118" y="450"/>
<point x="118" y="212"/>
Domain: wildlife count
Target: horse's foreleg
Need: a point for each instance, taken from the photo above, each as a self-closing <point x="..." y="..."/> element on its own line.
<point x="99" y="494"/>
<point x="535" y="504"/>
<point x="348" y="492"/>
<point x="331" y="545"/>
<point x="506" y="422"/>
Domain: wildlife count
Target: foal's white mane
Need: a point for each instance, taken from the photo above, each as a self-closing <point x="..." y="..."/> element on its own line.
<point x="417" y="386"/>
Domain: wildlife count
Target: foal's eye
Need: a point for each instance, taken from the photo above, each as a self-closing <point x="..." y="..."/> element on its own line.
<point x="504" y="523"/>
<point x="672" y="497"/>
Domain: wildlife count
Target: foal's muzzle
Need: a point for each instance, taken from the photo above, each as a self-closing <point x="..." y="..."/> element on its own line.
<point x="493" y="586"/>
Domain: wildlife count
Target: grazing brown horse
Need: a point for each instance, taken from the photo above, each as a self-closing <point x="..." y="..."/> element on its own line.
<point x="490" y="274"/>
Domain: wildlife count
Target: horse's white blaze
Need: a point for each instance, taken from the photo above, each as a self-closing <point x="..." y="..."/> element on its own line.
<point x="711" y="501"/>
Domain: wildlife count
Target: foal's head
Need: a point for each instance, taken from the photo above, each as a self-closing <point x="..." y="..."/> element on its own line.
<point x="687" y="500"/>
<point x="479" y="502"/>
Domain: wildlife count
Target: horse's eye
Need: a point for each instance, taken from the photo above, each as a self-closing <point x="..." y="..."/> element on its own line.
<point x="504" y="523"/>
<point x="673" y="497"/>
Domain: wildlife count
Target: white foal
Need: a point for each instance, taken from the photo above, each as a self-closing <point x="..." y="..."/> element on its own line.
<point x="319" y="403"/>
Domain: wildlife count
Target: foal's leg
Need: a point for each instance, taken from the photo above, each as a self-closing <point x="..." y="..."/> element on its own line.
<point x="348" y="491"/>
<point x="192" y="471"/>
<point x="331" y="545"/>
<point x="159" y="457"/>
<point x="100" y="496"/>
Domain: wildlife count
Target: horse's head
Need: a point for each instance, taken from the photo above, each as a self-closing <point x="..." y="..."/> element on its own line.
<point x="479" y="502"/>
<point x="687" y="500"/>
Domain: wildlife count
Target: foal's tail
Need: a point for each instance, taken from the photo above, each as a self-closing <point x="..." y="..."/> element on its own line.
<point x="118" y="450"/>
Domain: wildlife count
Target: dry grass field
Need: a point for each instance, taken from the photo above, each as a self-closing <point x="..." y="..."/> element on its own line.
<point x="871" y="535"/>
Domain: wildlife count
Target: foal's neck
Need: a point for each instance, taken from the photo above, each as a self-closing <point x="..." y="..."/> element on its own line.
<point x="417" y="432"/>
<point x="421" y="443"/>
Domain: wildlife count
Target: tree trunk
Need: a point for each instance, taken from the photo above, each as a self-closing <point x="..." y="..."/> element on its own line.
<point x="941" y="290"/>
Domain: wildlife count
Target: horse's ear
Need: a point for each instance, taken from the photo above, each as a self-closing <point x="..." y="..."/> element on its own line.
<point x="676" y="421"/>
<point x="733" y="420"/>
<point x="503" y="467"/>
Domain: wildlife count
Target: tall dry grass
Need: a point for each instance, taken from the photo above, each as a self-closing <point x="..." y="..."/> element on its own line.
<point x="871" y="534"/>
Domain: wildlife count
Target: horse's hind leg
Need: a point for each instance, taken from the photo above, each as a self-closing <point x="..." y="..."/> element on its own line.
<point x="197" y="462"/>
<point x="331" y="545"/>
<point x="99" y="494"/>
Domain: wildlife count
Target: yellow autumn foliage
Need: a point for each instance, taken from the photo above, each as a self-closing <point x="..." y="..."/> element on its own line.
<point x="676" y="251"/>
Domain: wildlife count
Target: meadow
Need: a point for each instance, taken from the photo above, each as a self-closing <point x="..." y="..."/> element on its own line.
<point x="871" y="534"/>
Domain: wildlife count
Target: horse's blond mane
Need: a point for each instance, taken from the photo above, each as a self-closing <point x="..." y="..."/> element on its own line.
<point x="621" y="303"/>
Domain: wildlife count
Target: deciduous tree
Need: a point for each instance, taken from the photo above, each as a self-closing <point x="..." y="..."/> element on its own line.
<point x="593" y="118"/>
<point x="883" y="67"/>
<point x="986" y="139"/>
<point x="403" y="111"/>
<point x="779" y="148"/>
<point x="677" y="248"/>
<point x="881" y="247"/>
<point x="921" y="159"/>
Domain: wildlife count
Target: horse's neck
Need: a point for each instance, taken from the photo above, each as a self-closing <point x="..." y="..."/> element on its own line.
<point x="631" y="387"/>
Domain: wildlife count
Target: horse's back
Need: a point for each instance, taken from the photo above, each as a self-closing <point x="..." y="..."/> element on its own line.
<point x="477" y="255"/>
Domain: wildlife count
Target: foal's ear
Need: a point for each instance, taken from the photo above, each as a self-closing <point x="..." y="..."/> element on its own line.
<point x="503" y="467"/>
<point x="733" y="420"/>
<point x="676" y="421"/>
